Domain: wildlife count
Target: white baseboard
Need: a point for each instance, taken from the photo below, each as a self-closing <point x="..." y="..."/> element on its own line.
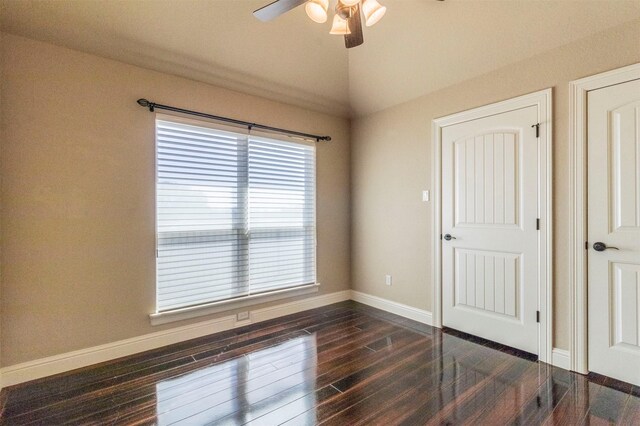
<point x="561" y="358"/>
<point x="36" y="369"/>
<point x="406" y="311"/>
<point x="19" y="373"/>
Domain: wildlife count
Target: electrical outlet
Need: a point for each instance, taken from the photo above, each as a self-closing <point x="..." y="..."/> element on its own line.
<point x="242" y="316"/>
<point x="425" y="195"/>
<point x="387" y="279"/>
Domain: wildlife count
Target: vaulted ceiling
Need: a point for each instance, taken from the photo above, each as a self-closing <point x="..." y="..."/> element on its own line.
<point x="419" y="46"/>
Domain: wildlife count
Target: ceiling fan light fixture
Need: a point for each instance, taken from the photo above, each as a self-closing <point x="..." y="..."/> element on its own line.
<point x="317" y="10"/>
<point x="373" y="12"/>
<point x="349" y="2"/>
<point x="339" y="26"/>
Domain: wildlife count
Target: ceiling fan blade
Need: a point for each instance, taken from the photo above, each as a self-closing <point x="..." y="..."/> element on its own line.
<point x="275" y="9"/>
<point x="355" y="38"/>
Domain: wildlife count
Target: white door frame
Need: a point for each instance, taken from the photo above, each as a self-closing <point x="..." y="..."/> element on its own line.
<point x="542" y="100"/>
<point x="578" y="90"/>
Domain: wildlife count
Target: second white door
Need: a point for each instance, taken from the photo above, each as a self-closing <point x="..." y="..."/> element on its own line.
<point x="489" y="224"/>
<point x="614" y="231"/>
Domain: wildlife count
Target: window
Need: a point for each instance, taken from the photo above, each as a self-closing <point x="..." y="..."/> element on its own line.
<point x="235" y="214"/>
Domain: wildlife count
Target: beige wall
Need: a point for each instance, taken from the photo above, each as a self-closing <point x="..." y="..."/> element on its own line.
<point x="391" y="164"/>
<point x="77" y="173"/>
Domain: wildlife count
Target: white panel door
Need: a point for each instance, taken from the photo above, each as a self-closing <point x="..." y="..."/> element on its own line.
<point x="489" y="208"/>
<point x="614" y="231"/>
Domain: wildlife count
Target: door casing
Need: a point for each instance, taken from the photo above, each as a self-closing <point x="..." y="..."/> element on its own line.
<point x="543" y="101"/>
<point x="578" y="90"/>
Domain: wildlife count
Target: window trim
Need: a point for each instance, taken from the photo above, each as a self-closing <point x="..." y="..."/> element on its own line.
<point x="180" y="314"/>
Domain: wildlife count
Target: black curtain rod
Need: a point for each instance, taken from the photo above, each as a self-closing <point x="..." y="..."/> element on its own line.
<point x="153" y="106"/>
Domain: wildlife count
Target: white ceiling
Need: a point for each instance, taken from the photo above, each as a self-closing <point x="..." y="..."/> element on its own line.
<point x="419" y="46"/>
<point x="216" y="41"/>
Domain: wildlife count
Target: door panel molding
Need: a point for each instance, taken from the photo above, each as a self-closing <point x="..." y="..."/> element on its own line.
<point x="578" y="90"/>
<point x="496" y="145"/>
<point x="543" y="101"/>
<point x="504" y="265"/>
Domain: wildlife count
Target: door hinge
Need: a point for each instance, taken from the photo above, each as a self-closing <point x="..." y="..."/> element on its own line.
<point x="440" y="236"/>
<point x="586" y="245"/>
<point x="537" y="126"/>
<point x="537" y="224"/>
<point x="537" y="316"/>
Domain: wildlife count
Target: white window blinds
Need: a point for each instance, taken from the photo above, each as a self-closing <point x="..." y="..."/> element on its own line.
<point x="235" y="215"/>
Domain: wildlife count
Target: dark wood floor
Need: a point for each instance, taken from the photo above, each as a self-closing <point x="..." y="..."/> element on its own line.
<point x="342" y="364"/>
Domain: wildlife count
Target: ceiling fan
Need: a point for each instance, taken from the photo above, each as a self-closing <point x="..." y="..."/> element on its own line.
<point x="347" y="20"/>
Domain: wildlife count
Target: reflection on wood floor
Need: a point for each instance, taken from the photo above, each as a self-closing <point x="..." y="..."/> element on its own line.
<point x="341" y="364"/>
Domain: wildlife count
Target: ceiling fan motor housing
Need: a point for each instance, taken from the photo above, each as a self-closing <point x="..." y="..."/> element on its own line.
<point x="343" y="11"/>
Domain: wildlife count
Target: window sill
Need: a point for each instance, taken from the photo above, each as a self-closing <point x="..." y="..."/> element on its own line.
<point x="228" y="305"/>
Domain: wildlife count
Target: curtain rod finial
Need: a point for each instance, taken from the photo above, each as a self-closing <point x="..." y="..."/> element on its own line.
<point x="147" y="104"/>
